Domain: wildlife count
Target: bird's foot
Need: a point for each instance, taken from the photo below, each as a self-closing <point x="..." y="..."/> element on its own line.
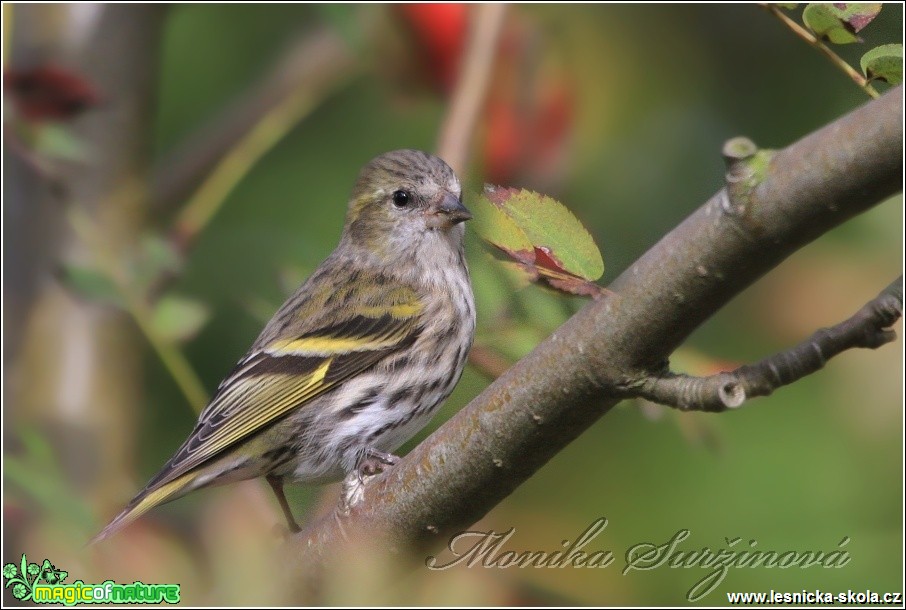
<point x="373" y="463"/>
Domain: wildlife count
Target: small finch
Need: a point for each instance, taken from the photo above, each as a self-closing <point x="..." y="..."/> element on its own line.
<point x="356" y="361"/>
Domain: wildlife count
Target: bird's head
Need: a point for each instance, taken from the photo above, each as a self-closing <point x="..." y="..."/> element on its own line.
<point x="406" y="201"/>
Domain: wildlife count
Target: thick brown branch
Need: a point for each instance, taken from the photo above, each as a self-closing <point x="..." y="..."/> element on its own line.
<point x="869" y="328"/>
<point x="571" y="379"/>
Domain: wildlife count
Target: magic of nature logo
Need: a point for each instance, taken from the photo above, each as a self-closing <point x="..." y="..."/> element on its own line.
<point x="45" y="584"/>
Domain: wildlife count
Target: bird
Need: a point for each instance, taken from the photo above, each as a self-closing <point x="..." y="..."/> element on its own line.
<point x="355" y="362"/>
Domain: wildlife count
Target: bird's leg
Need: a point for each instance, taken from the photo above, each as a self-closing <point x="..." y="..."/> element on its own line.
<point x="276" y="484"/>
<point x="372" y="462"/>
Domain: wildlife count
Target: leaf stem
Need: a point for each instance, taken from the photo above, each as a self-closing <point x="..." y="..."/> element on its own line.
<point x="835" y="59"/>
<point x="173" y="359"/>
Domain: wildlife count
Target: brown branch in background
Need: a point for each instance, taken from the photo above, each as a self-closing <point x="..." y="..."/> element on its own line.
<point x="76" y="373"/>
<point x="868" y="328"/>
<point x="543" y="402"/>
<point x="488" y="361"/>
<point x="461" y="120"/>
<point x="318" y="63"/>
<point x="472" y="86"/>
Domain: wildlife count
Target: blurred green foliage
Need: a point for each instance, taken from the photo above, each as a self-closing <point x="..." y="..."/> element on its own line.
<point x="658" y="89"/>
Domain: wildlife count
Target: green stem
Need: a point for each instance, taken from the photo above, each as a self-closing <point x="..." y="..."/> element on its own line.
<point x="266" y="133"/>
<point x="172" y="358"/>
<point x="835" y="59"/>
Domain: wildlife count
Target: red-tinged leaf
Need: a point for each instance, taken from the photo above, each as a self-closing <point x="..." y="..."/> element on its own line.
<point x="499" y="230"/>
<point x="542" y="236"/>
<point x="825" y="21"/>
<point x="578" y="286"/>
<point x="544" y="258"/>
<point x="49" y="93"/>
<point x="498" y="195"/>
<point x="552" y="228"/>
<point x="858" y="15"/>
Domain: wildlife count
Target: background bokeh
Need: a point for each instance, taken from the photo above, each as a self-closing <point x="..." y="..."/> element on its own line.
<point x="618" y="111"/>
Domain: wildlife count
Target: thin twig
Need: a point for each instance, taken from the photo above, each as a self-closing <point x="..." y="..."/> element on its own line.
<point x="472" y="86"/>
<point x="173" y="359"/>
<point x="461" y="120"/>
<point x="319" y="62"/>
<point x="213" y="192"/>
<point x="868" y="328"/>
<point x="835" y="59"/>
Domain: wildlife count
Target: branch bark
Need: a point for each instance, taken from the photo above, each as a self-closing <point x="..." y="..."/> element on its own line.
<point x="869" y="327"/>
<point x="773" y="205"/>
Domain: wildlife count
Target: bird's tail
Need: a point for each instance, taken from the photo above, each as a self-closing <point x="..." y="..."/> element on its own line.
<point x="147" y="499"/>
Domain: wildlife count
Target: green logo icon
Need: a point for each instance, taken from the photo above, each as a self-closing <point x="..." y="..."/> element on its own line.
<point x="45" y="584"/>
<point x="25" y="576"/>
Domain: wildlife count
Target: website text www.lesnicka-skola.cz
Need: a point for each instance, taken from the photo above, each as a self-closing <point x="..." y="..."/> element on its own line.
<point x="823" y="598"/>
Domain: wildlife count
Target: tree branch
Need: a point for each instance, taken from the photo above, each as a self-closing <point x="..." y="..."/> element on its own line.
<point x="869" y="327"/>
<point x="317" y="64"/>
<point x="472" y="86"/>
<point x="75" y="373"/>
<point x="822" y="48"/>
<point x="779" y="203"/>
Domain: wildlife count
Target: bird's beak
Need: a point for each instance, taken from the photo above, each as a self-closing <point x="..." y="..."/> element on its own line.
<point x="450" y="210"/>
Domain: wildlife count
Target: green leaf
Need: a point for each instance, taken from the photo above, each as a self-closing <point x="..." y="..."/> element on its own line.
<point x="57" y="141"/>
<point x="560" y="241"/>
<point x="542" y="236"/>
<point x="824" y="21"/>
<point x="92" y="283"/>
<point x="789" y="6"/>
<point x="178" y="318"/>
<point x="884" y="63"/>
<point x="155" y="261"/>
<point x="498" y="229"/>
<point x="856" y="16"/>
<point x="160" y="255"/>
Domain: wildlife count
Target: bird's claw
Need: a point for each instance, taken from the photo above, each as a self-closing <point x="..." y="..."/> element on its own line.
<point x="373" y="463"/>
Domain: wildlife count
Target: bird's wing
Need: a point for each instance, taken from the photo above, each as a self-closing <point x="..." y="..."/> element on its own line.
<point x="286" y="373"/>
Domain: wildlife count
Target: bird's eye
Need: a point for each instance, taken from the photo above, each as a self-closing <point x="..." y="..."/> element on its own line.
<point x="401" y="198"/>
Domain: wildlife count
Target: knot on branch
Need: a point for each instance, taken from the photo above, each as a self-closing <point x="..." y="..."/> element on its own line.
<point x="746" y="168"/>
<point x="738" y="149"/>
